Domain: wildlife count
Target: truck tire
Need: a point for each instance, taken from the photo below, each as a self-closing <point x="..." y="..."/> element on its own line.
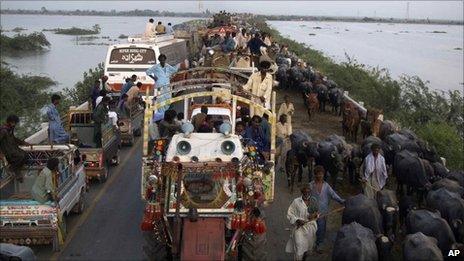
<point x="80" y="205"/>
<point x="106" y="173"/>
<point x="252" y="247"/>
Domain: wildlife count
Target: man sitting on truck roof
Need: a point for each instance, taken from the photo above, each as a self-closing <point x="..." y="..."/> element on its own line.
<point x="9" y="146"/>
<point x="228" y="45"/>
<point x="150" y="31"/>
<point x="168" y="127"/>
<point x="199" y="118"/>
<point x="43" y="189"/>
<point x="100" y="116"/>
<point x="55" y="127"/>
<point x="260" y="84"/>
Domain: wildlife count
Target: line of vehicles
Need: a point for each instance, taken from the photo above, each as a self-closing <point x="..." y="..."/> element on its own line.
<point x="202" y="190"/>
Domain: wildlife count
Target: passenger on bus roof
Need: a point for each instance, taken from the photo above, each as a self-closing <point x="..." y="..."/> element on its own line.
<point x="150" y="31"/>
<point x="43" y="189"/>
<point x="55" y="127"/>
<point x="169" y="29"/>
<point x="9" y="146"/>
<point x="160" y="29"/>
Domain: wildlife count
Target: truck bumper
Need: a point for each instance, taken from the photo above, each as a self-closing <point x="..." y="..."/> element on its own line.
<point x="28" y="235"/>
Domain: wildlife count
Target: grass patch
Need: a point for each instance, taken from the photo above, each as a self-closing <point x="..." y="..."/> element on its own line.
<point x="21" y="42"/>
<point x="75" y="30"/>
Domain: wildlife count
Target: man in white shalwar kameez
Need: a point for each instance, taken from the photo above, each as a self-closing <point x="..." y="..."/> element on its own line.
<point x="375" y="172"/>
<point x="303" y="235"/>
<point x="150" y="29"/>
<point x="286" y="108"/>
<point x="283" y="132"/>
<point x="260" y="84"/>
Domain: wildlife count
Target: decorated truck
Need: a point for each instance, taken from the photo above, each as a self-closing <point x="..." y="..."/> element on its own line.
<point x="204" y="191"/>
<point x="25" y="221"/>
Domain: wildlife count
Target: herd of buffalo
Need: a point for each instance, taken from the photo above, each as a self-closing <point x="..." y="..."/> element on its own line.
<point x="427" y="208"/>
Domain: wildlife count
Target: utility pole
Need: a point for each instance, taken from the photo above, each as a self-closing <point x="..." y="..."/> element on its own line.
<point x="407" y="11"/>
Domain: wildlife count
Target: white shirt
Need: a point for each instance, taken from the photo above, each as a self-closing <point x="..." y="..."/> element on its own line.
<point x="149" y="30"/>
<point x="376" y="166"/>
<point x="98" y="100"/>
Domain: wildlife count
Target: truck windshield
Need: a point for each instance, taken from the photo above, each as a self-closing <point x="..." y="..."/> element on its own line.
<point x="132" y="55"/>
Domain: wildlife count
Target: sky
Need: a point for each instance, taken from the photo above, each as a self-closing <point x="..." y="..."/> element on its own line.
<point x="448" y="10"/>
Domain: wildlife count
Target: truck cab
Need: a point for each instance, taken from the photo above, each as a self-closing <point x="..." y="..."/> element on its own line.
<point x="138" y="55"/>
<point x="97" y="160"/>
<point x="25" y="221"/>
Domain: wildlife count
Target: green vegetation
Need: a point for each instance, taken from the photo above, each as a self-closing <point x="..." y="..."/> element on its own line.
<point x="24" y="96"/>
<point x="81" y="91"/>
<point x="435" y="117"/>
<point x="21" y="42"/>
<point x="76" y="31"/>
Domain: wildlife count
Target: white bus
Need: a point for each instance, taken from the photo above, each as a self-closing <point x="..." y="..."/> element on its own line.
<point x="139" y="54"/>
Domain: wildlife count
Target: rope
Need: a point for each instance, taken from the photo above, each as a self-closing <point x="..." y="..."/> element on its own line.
<point x="322" y="216"/>
<point x="369" y="185"/>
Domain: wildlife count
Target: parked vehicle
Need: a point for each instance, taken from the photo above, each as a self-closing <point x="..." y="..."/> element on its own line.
<point x="14" y="252"/>
<point x="25" y="221"/>
<point x="97" y="160"/>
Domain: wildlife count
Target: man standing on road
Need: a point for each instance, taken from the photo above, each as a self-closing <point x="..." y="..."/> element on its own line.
<point x="162" y="73"/>
<point x="286" y="108"/>
<point x="57" y="134"/>
<point x="43" y="189"/>
<point x="302" y="214"/>
<point x="283" y="144"/>
<point x="375" y="172"/>
<point x="323" y="192"/>
<point x="9" y="146"/>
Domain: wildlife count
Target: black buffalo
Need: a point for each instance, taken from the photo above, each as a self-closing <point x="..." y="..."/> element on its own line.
<point x="322" y="95"/>
<point x="388" y="206"/>
<point x="431" y="224"/>
<point x="418" y="247"/>
<point x="457" y="176"/>
<point x="355" y="242"/>
<point x="365" y="211"/>
<point x="450" y="185"/>
<point x="302" y="154"/>
<point x="409" y="170"/>
<point x="335" y="99"/>
<point x="451" y="207"/>
<point x="330" y="159"/>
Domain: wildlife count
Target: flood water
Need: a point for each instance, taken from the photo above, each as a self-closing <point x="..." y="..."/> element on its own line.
<point x="67" y="58"/>
<point x="411" y="49"/>
<point x="401" y="48"/>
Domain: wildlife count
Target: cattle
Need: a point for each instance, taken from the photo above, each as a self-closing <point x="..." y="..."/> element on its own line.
<point x="330" y="159"/>
<point x="450" y="185"/>
<point x="388" y="206"/>
<point x="282" y="76"/>
<point x="457" y="176"/>
<point x="407" y="203"/>
<point x="395" y="143"/>
<point x="351" y="120"/>
<point x="431" y="224"/>
<point x="410" y="171"/>
<point x="353" y="164"/>
<point x="371" y="123"/>
<point x="365" y="211"/>
<point x="355" y="242"/>
<point x="418" y="247"/>
<point x="322" y="96"/>
<point x="313" y="104"/>
<point x="451" y="207"/>
<point x="295" y="76"/>
<point x="302" y="154"/>
<point x="335" y="99"/>
<point x="387" y="128"/>
<point x="440" y="170"/>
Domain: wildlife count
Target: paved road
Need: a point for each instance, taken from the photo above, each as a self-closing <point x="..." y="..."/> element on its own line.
<point x="109" y="228"/>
